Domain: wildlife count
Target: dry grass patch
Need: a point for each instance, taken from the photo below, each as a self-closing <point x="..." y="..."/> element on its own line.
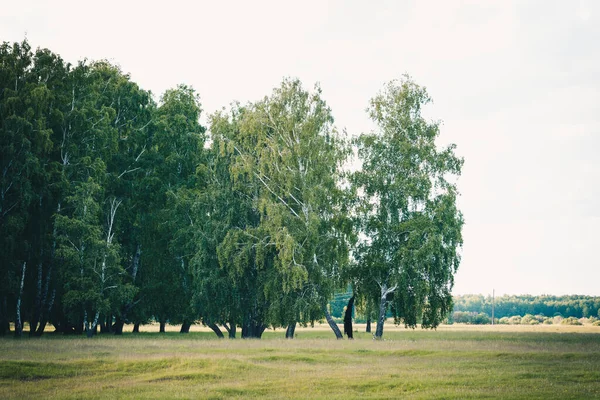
<point x="448" y="363"/>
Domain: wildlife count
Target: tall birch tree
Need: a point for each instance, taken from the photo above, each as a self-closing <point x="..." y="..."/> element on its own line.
<point x="407" y="213"/>
<point x="287" y="147"/>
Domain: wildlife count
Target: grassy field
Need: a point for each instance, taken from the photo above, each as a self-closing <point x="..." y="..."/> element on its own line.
<point x="453" y="362"/>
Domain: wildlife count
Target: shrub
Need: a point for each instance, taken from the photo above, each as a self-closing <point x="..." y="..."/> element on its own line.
<point x="540" y="318"/>
<point x="515" y="320"/>
<point x="481" y="319"/>
<point x="503" y="321"/>
<point x="597" y="323"/>
<point x="548" y="321"/>
<point x="466" y="317"/>
<point x="571" y="321"/>
<point x="461" y="317"/>
<point x="527" y="319"/>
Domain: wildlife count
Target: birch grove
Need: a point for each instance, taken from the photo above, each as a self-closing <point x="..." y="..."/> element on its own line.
<point x="118" y="208"/>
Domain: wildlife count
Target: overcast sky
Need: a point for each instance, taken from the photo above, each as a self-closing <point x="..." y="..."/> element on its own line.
<point x="516" y="84"/>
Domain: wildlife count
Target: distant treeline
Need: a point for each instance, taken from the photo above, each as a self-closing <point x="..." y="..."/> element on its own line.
<point x="505" y="306"/>
<point x="508" y="306"/>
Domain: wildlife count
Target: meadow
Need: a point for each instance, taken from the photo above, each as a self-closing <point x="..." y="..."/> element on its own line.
<point x="459" y="362"/>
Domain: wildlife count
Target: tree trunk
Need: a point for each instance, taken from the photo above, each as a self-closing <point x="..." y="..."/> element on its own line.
<point x="4" y="324"/>
<point x="78" y="328"/>
<point x="40" y="330"/>
<point x="91" y="330"/>
<point x="162" y="327"/>
<point x="18" y="322"/>
<point x="368" y="330"/>
<point x="122" y="318"/>
<point x="252" y="329"/>
<point x="231" y="328"/>
<point x="118" y="326"/>
<point x="136" y="262"/>
<point x="216" y="330"/>
<point x="289" y="332"/>
<point x="75" y="329"/>
<point x="37" y="306"/>
<point x="382" y="311"/>
<point x="185" y="327"/>
<point x="136" y="327"/>
<point x="109" y="324"/>
<point x="103" y="326"/>
<point x="47" y="305"/>
<point x="348" y="318"/>
<point x="332" y="324"/>
<point x="46" y="313"/>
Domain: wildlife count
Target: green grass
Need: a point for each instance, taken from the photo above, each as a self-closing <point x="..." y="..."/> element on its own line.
<point x="448" y="364"/>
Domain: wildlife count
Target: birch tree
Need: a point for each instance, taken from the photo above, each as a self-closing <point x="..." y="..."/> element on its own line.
<point x="287" y="148"/>
<point x="30" y="90"/>
<point x="410" y="225"/>
<point x="90" y="207"/>
<point x="130" y="164"/>
<point x="17" y="160"/>
<point x="178" y="147"/>
<point x="233" y="259"/>
<point x="220" y="296"/>
<point x="303" y="204"/>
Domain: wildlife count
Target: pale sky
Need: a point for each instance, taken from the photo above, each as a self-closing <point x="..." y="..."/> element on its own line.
<point x="516" y="84"/>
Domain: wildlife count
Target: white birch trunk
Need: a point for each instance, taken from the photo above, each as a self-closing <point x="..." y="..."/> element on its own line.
<point x="385" y="291"/>
<point x="18" y="322"/>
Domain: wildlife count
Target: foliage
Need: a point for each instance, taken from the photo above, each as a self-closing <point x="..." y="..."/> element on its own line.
<point x="406" y="210"/>
<point x="115" y="208"/>
<point x="571" y="321"/>
<point x="461" y="317"/>
<point x="285" y="159"/>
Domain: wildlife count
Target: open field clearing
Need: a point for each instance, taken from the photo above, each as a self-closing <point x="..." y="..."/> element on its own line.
<point x="452" y="362"/>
